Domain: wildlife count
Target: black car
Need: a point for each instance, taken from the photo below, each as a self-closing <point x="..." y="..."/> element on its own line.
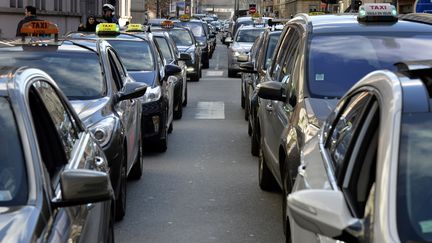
<point x="51" y="166"/>
<point x="317" y="59"/>
<point x="202" y="36"/>
<point x="254" y="72"/>
<point x="91" y="75"/>
<point x="185" y="42"/>
<point x="172" y="57"/>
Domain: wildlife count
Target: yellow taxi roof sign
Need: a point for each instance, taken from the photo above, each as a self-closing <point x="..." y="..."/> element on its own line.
<point x="107" y="29"/>
<point x="135" y="28"/>
<point x="185" y="17"/>
<point x="39" y="27"/>
<point x="316" y="13"/>
<point x="256" y="15"/>
<point x="167" y="24"/>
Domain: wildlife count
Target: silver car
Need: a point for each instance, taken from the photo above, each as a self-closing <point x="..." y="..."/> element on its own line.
<point x="54" y="176"/>
<point x="367" y="176"/>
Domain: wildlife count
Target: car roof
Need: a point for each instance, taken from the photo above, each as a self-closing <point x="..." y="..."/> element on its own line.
<point x="122" y="36"/>
<point x="251" y="27"/>
<point x="345" y="23"/>
<point x="62" y="46"/>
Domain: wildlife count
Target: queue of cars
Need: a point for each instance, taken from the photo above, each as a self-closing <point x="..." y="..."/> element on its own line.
<point x="78" y="117"/>
<point x="339" y="148"/>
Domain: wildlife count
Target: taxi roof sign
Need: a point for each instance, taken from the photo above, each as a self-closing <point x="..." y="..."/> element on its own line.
<point x="167" y="24"/>
<point x="107" y="29"/>
<point x="135" y="28"/>
<point x="185" y="17"/>
<point x="39" y="28"/>
<point x="377" y="12"/>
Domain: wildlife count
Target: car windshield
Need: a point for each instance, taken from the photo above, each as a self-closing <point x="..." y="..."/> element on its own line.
<point x="336" y="62"/>
<point x="165" y="49"/>
<point x="248" y="35"/>
<point x="414" y="179"/>
<point x="78" y="74"/>
<point x="181" y="37"/>
<point x="13" y="175"/>
<point x="140" y="59"/>
<point x="196" y="27"/>
<point x="273" y="39"/>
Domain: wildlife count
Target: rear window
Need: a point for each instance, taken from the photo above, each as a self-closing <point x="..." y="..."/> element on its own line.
<point x="414" y="179"/>
<point x="13" y="175"/>
<point x="248" y="35"/>
<point x="165" y="49"/>
<point x="181" y="37"/>
<point x="196" y="27"/>
<point x="78" y="74"/>
<point x="336" y="62"/>
<point x="140" y="59"/>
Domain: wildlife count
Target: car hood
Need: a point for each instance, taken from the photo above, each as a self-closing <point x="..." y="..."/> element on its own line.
<point x="18" y="223"/>
<point x="319" y="109"/>
<point x="147" y="77"/>
<point x="184" y="48"/>
<point x="90" y="111"/>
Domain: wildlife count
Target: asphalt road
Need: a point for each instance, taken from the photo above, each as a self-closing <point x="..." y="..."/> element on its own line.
<point x="204" y="188"/>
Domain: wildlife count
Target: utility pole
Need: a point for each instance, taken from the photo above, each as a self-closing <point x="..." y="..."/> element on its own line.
<point x="157" y="9"/>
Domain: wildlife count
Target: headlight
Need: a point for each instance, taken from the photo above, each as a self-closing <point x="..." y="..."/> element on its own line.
<point x="152" y="94"/>
<point x="200" y="43"/>
<point x="103" y="130"/>
<point x="236" y="53"/>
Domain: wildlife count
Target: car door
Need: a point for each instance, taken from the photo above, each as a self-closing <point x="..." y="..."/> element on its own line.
<point x="350" y="143"/>
<point x="128" y="110"/>
<point x="64" y="144"/>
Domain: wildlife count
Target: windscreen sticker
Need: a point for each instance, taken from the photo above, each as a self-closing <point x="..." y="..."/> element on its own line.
<point x="426" y="226"/>
<point x="319" y="77"/>
<point x="5" y="195"/>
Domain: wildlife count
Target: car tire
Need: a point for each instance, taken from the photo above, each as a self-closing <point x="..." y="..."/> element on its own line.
<point x="195" y="77"/>
<point x="246" y="111"/>
<point x="162" y="144"/>
<point x="265" y="178"/>
<point x="231" y="73"/>
<point x="200" y="72"/>
<point x="206" y="62"/>
<point x="120" y="204"/>
<point x="184" y="104"/>
<point x="286" y="190"/>
<point x="249" y="127"/>
<point x="110" y="233"/>
<point x="137" y="168"/>
<point x="179" y="112"/>
<point x="170" y="128"/>
<point x="255" y="145"/>
<point x="242" y="98"/>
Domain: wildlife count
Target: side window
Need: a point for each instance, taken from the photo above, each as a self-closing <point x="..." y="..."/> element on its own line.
<point x="345" y="128"/>
<point x="358" y="181"/>
<point x="56" y="130"/>
<point x="290" y="58"/>
<point x="165" y="49"/>
<point x="115" y="72"/>
<point x="280" y="52"/>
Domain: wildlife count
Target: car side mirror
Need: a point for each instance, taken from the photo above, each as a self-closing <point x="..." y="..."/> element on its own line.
<point x="81" y="186"/>
<point x="132" y="90"/>
<point x="171" y="69"/>
<point x="324" y="212"/>
<point x="271" y="90"/>
<point x="185" y="57"/>
<point x="247" y="67"/>
<point x="229" y="40"/>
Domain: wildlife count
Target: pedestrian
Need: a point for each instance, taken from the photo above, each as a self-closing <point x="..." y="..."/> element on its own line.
<point x="108" y="13"/>
<point x="90" y="25"/>
<point x="30" y="15"/>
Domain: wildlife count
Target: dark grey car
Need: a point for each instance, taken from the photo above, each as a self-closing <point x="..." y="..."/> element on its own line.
<point x="54" y="177"/>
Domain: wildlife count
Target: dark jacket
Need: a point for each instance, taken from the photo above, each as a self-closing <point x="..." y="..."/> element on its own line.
<point x="23" y="21"/>
<point x="89" y="27"/>
<point x="112" y="19"/>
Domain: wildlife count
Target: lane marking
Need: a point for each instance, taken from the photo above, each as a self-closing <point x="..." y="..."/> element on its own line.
<point x="214" y="73"/>
<point x="214" y="110"/>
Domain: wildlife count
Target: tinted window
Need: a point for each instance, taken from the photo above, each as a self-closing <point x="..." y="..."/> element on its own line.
<point x="13" y="176"/>
<point x="249" y="35"/>
<point x="196" y="27"/>
<point x="165" y="49"/>
<point x="270" y="49"/>
<point x="140" y="59"/>
<point x="181" y="37"/>
<point x="337" y="62"/>
<point x="79" y="75"/>
<point x="414" y="179"/>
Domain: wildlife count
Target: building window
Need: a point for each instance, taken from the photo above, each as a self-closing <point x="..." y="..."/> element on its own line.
<point x="58" y="5"/>
<point x="12" y="3"/>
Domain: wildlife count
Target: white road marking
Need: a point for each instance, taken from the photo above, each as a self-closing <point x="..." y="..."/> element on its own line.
<point x="214" y="73"/>
<point x="210" y="110"/>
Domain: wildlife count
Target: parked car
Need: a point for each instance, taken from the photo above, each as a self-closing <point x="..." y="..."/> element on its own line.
<point x="313" y="66"/>
<point x="185" y="42"/>
<point x="54" y="176"/>
<point x="366" y="178"/>
<point x="91" y="75"/>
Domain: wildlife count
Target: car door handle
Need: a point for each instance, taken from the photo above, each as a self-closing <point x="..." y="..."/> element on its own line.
<point x="269" y="107"/>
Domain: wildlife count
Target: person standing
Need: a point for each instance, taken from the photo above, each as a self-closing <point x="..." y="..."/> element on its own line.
<point x="30" y="15"/>
<point x="90" y="25"/>
<point x="108" y="13"/>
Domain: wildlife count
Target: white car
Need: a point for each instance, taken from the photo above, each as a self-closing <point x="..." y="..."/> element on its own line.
<point x="367" y="176"/>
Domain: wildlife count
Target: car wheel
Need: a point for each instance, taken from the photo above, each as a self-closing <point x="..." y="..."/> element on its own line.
<point x="186" y="97"/>
<point x="232" y="73"/>
<point x="137" y="168"/>
<point x="249" y="127"/>
<point x="195" y="77"/>
<point x="255" y="145"/>
<point x="170" y="128"/>
<point x="286" y="190"/>
<point x="246" y="112"/>
<point x="200" y="72"/>
<point x="121" y="200"/>
<point x="242" y="98"/>
<point x="265" y="178"/>
<point x="206" y="62"/>
<point x="178" y="113"/>
<point x="162" y="145"/>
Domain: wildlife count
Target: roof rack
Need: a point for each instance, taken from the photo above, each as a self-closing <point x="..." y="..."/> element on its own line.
<point x="424" y="18"/>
